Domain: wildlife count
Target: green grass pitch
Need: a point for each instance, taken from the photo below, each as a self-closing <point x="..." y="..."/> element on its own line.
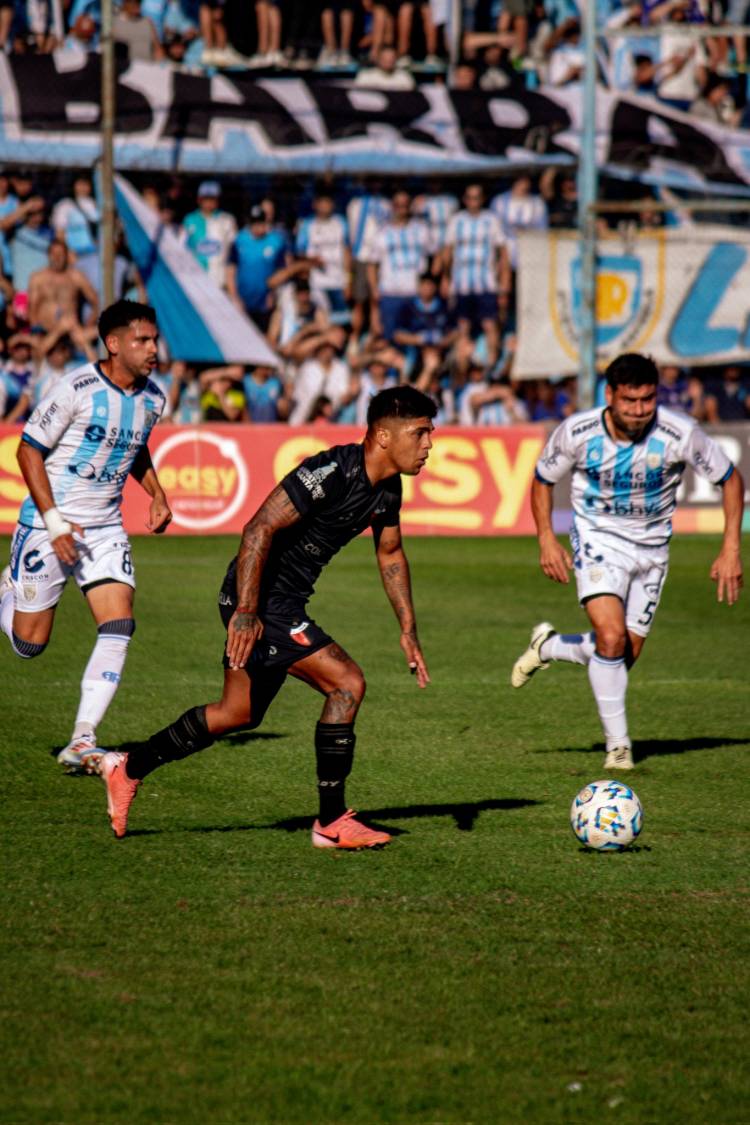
<point x="212" y="967"/>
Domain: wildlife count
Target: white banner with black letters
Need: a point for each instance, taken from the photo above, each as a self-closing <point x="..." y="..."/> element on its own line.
<point x="236" y="122"/>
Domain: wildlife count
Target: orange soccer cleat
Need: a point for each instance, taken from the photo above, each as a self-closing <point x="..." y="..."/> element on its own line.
<point x="347" y="832"/>
<point x="121" y="790"/>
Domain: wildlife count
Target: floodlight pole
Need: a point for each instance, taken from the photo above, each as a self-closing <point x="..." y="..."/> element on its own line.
<point x="107" y="228"/>
<point x="587" y="193"/>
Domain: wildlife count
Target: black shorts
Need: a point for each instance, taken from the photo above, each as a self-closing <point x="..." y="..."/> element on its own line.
<point x="286" y="638"/>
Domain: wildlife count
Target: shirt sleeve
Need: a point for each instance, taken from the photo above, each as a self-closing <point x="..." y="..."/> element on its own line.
<point x="303" y="237"/>
<point x="706" y="456"/>
<point x="557" y="457"/>
<point x="51" y="418"/>
<point x="315" y="484"/>
<point x="388" y="510"/>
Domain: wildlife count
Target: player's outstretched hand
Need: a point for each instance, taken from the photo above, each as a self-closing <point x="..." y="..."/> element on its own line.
<point x="414" y="658"/>
<point x="727" y="574"/>
<point x="244" y="630"/>
<point x="65" y="546"/>
<point x="555" y="560"/>
<point x="159" y="515"/>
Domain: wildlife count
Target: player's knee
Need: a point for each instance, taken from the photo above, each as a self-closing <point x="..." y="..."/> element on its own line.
<point x="352" y="685"/>
<point x="610" y="641"/>
<point x="27" y="650"/>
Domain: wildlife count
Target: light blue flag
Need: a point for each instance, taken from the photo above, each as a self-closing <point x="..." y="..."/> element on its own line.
<point x="196" y="317"/>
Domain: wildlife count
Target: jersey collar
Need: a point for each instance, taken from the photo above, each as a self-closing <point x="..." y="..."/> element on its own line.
<point x="120" y="390"/>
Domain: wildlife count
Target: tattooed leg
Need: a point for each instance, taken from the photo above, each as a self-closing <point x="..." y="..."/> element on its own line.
<point x="333" y="673"/>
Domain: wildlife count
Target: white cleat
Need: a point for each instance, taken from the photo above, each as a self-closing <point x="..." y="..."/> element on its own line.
<point x="530" y="661"/>
<point x="619" y="758"/>
<point x="81" y="755"/>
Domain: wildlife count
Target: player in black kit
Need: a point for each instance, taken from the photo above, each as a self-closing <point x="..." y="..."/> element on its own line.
<point x="315" y="510"/>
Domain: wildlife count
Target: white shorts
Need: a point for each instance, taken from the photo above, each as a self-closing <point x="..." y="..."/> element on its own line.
<point x="606" y="564"/>
<point x="39" y="577"/>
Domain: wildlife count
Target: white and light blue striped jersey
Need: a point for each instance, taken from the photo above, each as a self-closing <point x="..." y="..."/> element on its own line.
<point x="629" y="488"/>
<point x="209" y="239"/>
<point x="326" y="239"/>
<point x="516" y="213"/>
<point x="476" y="240"/>
<point x="402" y="251"/>
<point x="365" y="215"/>
<point x="436" y="210"/>
<point x="90" y="432"/>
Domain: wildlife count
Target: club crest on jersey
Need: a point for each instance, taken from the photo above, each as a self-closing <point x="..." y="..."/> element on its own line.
<point x="29" y="593"/>
<point x="313" y="479"/>
<point x="297" y="633"/>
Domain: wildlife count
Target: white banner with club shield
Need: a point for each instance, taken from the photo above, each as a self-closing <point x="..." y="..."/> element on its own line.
<point x="680" y="295"/>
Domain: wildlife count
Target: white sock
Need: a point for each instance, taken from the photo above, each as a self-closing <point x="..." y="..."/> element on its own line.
<point x="609" y="683"/>
<point x="576" y="648"/>
<point x="101" y="679"/>
<point x="7" y="610"/>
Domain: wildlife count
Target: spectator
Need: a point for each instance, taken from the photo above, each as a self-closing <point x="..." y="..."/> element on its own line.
<point x="75" y="221"/>
<point x="464" y="76"/>
<point x="401" y="251"/>
<point x="83" y="35"/>
<point x="519" y="209"/>
<point x="376" y="377"/>
<point x="560" y="192"/>
<point x="436" y="206"/>
<point x="385" y="75"/>
<point x="30" y="245"/>
<point x="683" y="60"/>
<point x="392" y="20"/>
<point x="728" y="399"/>
<point x="136" y="33"/>
<point x="297" y="325"/>
<point x="514" y="18"/>
<point x="264" y="395"/>
<point x="257" y="266"/>
<point x="486" y="402"/>
<point x="209" y="232"/>
<point x="216" y="49"/>
<point x="323" y="374"/>
<point x="332" y="54"/>
<point x="680" y="392"/>
<point x="17" y="375"/>
<point x="324" y="240"/>
<point x="222" y="399"/>
<point x="365" y="214"/>
<point x="8" y="212"/>
<point x="477" y="270"/>
<point x="427" y="327"/>
<point x="716" y="102"/>
<point x="268" y="17"/>
<point x="566" y="57"/>
<point x="59" y="290"/>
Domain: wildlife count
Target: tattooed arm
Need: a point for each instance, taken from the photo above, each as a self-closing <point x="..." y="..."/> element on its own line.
<point x="245" y="627"/>
<point x="394" y="570"/>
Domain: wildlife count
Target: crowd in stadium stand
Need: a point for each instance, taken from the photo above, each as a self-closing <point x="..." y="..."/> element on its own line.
<point x="647" y="46"/>
<point x="362" y="287"/>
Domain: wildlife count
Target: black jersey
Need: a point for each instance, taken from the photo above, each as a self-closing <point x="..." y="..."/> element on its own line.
<point x="336" y="501"/>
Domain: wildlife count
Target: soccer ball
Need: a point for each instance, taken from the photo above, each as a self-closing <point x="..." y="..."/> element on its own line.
<point x="606" y="815"/>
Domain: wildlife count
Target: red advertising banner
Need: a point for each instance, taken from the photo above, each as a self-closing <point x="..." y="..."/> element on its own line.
<point x="476" y="481"/>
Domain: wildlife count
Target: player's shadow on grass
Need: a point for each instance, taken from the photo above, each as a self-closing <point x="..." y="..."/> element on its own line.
<point x="464" y="813"/>
<point x="240" y="739"/>
<point x="658" y="747"/>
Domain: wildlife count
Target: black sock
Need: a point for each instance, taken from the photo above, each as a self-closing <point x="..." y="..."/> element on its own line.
<point x="185" y="736"/>
<point x="334" y="751"/>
